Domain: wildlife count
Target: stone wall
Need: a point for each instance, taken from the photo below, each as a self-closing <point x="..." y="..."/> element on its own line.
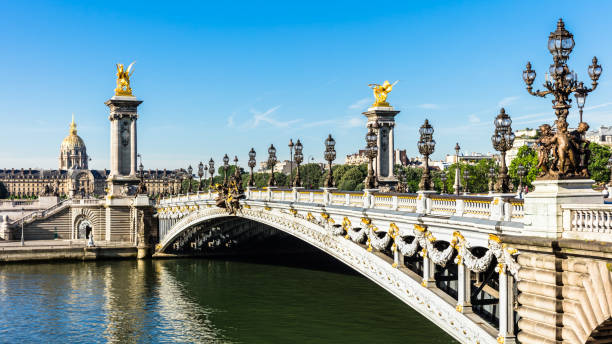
<point x="565" y="291"/>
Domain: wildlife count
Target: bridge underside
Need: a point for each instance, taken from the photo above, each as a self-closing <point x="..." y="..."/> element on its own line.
<point x="222" y="235"/>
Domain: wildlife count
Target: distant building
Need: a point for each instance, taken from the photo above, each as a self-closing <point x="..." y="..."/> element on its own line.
<point x="74" y="178"/>
<point x="283" y="166"/>
<point x="400" y="157"/>
<point x="524" y="137"/>
<point x="471" y="158"/>
<point x="357" y="158"/>
<point x="602" y="136"/>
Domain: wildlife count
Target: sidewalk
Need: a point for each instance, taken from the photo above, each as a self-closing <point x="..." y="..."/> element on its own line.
<point x="59" y="244"/>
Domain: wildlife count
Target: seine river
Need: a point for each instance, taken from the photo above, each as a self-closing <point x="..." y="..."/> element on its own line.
<point x="280" y="300"/>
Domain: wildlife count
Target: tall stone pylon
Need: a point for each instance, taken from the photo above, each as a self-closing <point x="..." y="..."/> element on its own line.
<point x="123" y="136"/>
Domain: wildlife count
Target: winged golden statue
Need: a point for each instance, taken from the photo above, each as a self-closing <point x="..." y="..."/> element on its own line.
<point x="381" y="92"/>
<point x="123" y="80"/>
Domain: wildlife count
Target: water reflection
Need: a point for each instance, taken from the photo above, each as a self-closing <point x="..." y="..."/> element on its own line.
<point x="200" y="301"/>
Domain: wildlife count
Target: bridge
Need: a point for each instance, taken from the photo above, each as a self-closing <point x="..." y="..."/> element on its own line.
<point x="467" y="263"/>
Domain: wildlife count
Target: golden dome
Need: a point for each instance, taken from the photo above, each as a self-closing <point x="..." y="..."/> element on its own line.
<point x="73" y="140"/>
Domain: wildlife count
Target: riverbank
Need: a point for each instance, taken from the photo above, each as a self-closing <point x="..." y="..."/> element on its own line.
<point x="63" y="250"/>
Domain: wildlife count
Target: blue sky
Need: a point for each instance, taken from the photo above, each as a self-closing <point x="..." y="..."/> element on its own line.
<point x="222" y="77"/>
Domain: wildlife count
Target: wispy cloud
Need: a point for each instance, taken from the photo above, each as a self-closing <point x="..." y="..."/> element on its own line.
<point x="230" y="121"/>
<point x="473" y="118"/>
<point x="347" y="122"/>
<point x="360" y="104"/>
<point x="597" y="106"/>
<point x="265" y="117"/>
<point x="429" y="106"/>
<point x="507" y="101"/>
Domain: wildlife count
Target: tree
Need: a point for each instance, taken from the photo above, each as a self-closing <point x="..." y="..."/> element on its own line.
<point x="527" y="157"/>
<point x="598" y="163"/>
<point x="352" y="179"/>
<point x="311" y="175"/>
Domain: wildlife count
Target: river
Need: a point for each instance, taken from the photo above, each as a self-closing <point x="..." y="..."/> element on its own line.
<point x="280" y="299"/>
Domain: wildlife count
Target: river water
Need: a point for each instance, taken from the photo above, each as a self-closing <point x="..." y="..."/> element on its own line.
<point x="277" y="300"/>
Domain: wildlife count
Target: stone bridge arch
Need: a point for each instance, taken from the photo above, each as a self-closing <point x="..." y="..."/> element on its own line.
<point x="376" y="267"/>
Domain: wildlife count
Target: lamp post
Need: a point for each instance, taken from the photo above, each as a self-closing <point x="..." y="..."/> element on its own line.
<point x="520" y="171"/>
<point x="443" y="178"/>
<point x="211" y="170"/>
<point x="561" y="82"/>
<point x="290" y="156"/>
<point x="371" y="152"/>
<point x="271" y="163"/>
<point x="236" y="169"/>
<point x="330" y="155"/>
<point x="190" y="176"/>
<point x="426" y="147"/>
<point x="457" y="184"/>
<point x="225" y="168"/>
<point x="466" y="176"/>
<point x="298" y="157"/>
<point x="491" y="179"/>
<point x="205" y="175"/>
<point x="200" y="174"/>
<point x="252" y="163"/>
<point x="502" y="140"/>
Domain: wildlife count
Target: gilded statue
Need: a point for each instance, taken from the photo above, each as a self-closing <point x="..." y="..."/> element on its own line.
<point x="123" y="80"/>
<point x="381" y="92"/>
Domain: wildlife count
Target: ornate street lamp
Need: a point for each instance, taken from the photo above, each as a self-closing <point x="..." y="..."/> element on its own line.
<point x="443" y="178"/>
<point x="330" y="155"/>
<point x="298" y="157"/>
<point x="502" y="140"/>
<point x="491" y="179"/>
<point x="466" y="176"/>
<point x="520" y="171"/>
<point x="200" y="174"/>
<point x="190" y="176"/>
<point x="225" y="168"/>
<point x="426" y="146"/>
<point x="457" y="185"/>
<point x="290" y="156"/>
<point x="252" y="163"/>
<point x="271" y="163"/>
<point x="561" y="82"/>
<point x="371" y="152"/>
<point x="236" y="170"/>
<point x="211" y="170"/>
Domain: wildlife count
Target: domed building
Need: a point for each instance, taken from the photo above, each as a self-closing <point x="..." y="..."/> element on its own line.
<point x="74" y="178"/>
<point x="73" y="154"/>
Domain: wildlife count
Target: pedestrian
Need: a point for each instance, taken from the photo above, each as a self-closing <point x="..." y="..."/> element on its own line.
<point x="89" y="236"/>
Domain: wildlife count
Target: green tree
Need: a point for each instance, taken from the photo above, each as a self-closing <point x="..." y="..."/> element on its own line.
<point x="352" y="179"/>
<point x="598" y="163"/>
<point x="312" y="176"/>
<point x="338" y="172"/>
<point x="527" y="157"/>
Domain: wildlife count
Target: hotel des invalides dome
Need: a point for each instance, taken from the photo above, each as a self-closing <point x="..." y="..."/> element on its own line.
<point x="73" y="178"/>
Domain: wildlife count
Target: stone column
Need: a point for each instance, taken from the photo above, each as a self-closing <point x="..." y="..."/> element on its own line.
<point x="429" y="269"/>
<point x="385" y="160"/>
<point x="506" y="308"/>
<point x="464" y="281"/>
<point x="123" y="116"/>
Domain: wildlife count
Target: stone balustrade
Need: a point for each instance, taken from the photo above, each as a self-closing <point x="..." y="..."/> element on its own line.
<point x="587" y="221"/>
<point x="498" y="208"/>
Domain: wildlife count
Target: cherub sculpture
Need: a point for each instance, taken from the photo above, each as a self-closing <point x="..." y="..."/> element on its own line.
<point x="123" y="80"/>
<point x="544" y="146"/>
<point x="381" y="92"/>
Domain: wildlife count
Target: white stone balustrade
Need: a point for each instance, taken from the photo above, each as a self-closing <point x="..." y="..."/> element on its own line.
<point x="587" y="221"/>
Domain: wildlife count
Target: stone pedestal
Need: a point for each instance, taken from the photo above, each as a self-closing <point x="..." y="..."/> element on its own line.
<point x="423" y="203"/>
<point x="385" y="160"/>
<point x="124" y="150"/>
<point x="543" y="213"/>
